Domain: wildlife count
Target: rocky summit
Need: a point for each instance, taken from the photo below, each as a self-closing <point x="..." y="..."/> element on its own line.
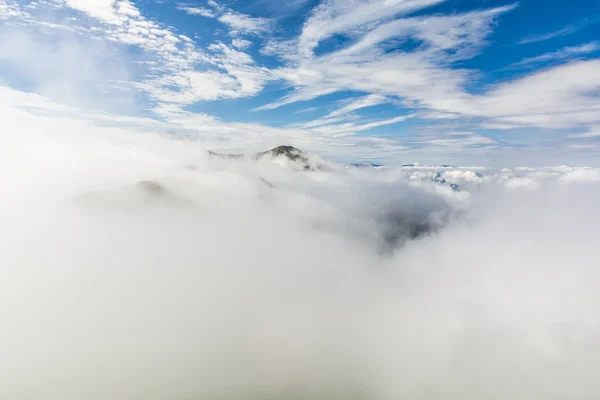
<point x="290" y="152"/>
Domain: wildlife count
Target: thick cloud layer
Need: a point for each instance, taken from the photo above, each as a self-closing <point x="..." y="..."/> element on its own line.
<point x="138" y="267"/>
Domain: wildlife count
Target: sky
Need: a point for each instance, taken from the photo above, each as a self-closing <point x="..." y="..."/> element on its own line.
<point x="479" y="82"/>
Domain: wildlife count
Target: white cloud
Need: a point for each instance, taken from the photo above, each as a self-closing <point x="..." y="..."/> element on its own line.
<point x="415" y="76"/>
<point x="307" y="110"/>
<point x="462" y="139"/>
<point x="9" y="10"/>
<point x="357" y="104"/>
<point x="581" y="146"/>
<point x="215" y="5"/>
<point x="241" y="44"/>
<point x="594" y="132"/>
<point x="351" y="128"/>
<point x="213" y="132"/>
<point x="237" y="77"/>
<point x="238" y="23"/>
<point x="345" y="112"/>
<point x="550" y="35"/>
<point x="104" y="10"/>
<point x="425" y="78"/>
<point x="342" y="16"/>
<point x="135" y="255"/>
<point x="566" y="53"/>
<point x="242" y="24"/>
<point x="560" y="97"/>
<point x="177" y="70"/>
<point x="334" y="141"/>
<point x="204" y="12"/>
<point x="581" y="175"/>
<point x="194" y="86"/>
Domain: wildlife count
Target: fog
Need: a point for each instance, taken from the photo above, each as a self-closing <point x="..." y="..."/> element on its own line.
<point x="136" y="266"/>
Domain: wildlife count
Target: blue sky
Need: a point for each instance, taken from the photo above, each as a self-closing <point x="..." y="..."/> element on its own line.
<point x="440" y="81"/>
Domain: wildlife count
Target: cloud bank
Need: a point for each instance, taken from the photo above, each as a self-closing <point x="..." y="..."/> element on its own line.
<point x="135" y="266"/>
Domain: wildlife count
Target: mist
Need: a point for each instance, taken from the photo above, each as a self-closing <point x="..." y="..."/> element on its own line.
<point x="136" y="266"/>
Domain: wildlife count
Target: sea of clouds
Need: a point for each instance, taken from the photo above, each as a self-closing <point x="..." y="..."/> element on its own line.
<point x="138" y="267"/>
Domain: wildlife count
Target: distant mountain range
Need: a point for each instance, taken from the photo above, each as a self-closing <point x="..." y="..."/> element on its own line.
<point x="302" y="160"/>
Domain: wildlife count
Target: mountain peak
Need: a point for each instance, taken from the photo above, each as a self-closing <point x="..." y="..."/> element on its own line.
<point x="290" y="152"/>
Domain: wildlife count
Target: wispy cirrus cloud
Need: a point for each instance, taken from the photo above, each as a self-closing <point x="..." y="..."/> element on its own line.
<point x="421" y="75"/>
<point x="345" y="112"/>
<point x="550" y="35"/>
<point x="341" y="16"/>
<point x="351" y="128"/>
<point x="462" y="140"/>
<point x="425" y="78"/>
<point x="566" y="53"/>
<point x="567" y="30"/>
